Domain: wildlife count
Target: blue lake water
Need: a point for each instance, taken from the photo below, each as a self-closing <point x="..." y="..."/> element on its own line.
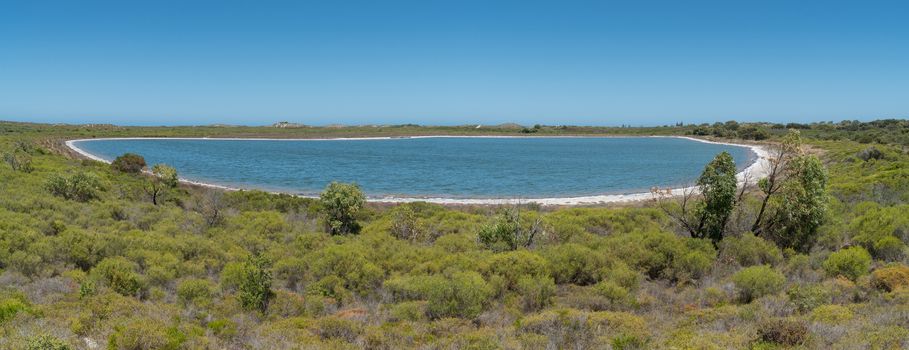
<point x="435" y="167"/>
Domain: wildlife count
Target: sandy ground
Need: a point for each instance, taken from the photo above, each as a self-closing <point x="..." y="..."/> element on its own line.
<point x="757" y="170"/>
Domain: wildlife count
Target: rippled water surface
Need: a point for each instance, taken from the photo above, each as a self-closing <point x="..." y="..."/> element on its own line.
<point x="436" y="167"/>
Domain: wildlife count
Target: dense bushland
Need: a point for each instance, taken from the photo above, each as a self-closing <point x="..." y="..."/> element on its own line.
<point x="97" y="257"/>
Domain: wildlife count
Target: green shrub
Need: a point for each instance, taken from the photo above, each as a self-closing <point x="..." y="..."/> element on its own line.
<point x="870" y="153"/>
<point x="891" y="278"/>
<point x="19" y="161"/>
<point x="254" y="291"/>
<point x="341" y="203"/>
<point x="414" y="311"/>
<point x="231" y="276"/>
<point x="10" y="307"/>
<point x="622" y="275"/>
<point x="510" y="231"/>
<point x="333" y="327"/>
<point x="748" y="250"/>
<point x="574" y="263"/>
<point x="757" y="281"/>
<point x="129" y="163"/>
<point x="510" y="267"/>
<point x="119" y="274"/>
<point x="807" y="297"/>
<point x="81" y="187"/>
<point x="223" y="327"/>
<point x="536" y="292"/>
<point x="462" y="295"/>
<point x="405" y="224"/>
<point x="831" y="314"/>
<point x="889" y="248"/>
<point x="693" y="265"/>
<point x="46" y="342"/>
<point x="574" y="329"/>
<point x="850" y="263"/>
<point x="349" y="265"/>
<point x="612" y="292"/>
<point x="195" y="291"/>
<point x="139" y="333"/>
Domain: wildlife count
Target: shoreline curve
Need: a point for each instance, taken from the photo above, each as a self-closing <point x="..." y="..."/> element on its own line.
<point x="756" y="170"/>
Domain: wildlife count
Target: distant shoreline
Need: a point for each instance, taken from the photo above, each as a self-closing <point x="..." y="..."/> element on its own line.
<point x="755" y="171"/>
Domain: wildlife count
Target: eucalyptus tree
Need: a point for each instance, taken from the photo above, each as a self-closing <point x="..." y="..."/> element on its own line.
<point x="704" y="211"/>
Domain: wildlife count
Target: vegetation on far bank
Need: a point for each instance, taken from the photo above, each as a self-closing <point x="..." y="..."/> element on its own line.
<point x="108" y="256"/>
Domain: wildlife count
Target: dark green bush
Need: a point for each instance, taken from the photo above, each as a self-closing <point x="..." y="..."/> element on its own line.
<point x="254" y="290"/>
<point x="129" y="163"/>
<point x="341" y="203"/>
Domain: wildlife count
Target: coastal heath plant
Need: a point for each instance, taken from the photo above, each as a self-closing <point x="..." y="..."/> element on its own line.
<point x="129" y="163"/>
<point x="254" y="289"/>
<point x="851" y="263"/>
<point x="80" y="187"/>
<point x="341" y="202"/>
<point x="757" y="281"/>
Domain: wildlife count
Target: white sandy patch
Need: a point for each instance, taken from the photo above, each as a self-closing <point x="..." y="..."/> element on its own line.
<point x="757" y="170"/>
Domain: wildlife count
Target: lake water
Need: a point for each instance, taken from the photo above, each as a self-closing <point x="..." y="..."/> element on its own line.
<point x="448" y="167"/>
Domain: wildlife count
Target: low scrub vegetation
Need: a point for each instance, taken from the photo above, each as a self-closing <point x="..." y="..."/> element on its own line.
<point x="97" y="256"/>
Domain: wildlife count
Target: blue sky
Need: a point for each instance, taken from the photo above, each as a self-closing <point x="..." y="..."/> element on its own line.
<point x="452" y="62"/>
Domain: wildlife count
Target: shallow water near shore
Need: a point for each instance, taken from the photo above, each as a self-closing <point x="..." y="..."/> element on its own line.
<point x="435" y="167"/>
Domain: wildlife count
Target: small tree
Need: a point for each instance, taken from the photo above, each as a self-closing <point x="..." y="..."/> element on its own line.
<point x="164" y="177"/>
<point x="801" y="205"/>
<point x="254" y="290"/>
<point x="211" y="205"/>
<point x="716" y="189"/>
<point x="779" y="160"/>
<point x="341" y="202"/>
<point x="129" y="163"/>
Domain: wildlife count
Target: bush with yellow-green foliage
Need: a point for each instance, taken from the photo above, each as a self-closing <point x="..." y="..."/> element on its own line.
<point x="832" y="314"/>
<point x="569" y="328"/>
<point x="851" y="263"/>
<point x="748" y="250"/>
<point x="119" y="274"/>
<point x="757" y="281"/>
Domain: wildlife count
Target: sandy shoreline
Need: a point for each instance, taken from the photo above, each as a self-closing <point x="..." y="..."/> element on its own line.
<point x="756" y="170"/>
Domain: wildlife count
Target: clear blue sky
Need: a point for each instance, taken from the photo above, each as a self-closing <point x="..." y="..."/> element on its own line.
<point x="452" y="62"/>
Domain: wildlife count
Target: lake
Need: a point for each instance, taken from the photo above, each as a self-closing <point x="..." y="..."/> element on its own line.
<point x="439" y="167"/>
